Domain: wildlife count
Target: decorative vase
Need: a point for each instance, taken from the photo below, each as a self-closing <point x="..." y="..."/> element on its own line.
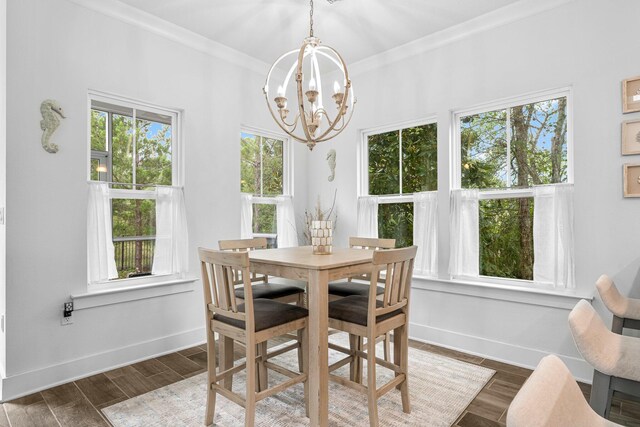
<point x="322" y="237"/>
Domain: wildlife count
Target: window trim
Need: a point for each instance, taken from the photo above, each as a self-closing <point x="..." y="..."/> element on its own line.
<point x="363" y="157"/>
<point x="177" y="179"/>
<point x="455" y="178"/>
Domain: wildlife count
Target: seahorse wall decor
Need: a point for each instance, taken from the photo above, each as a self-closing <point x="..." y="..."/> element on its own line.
<point x="50" y="111"/>
<point x="331" y="160"/>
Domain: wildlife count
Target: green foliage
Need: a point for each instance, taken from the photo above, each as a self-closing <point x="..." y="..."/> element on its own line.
<point x="419" y="164"/>
<point x="98" y="130"/>
<point x="395" y="221"/>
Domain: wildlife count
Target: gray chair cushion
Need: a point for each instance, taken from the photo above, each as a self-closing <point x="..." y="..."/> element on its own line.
<point x="346" y="289"/>
<point x="267" y="314"/>
<point x="354" y="309"/>
<point x="270" y="290"/>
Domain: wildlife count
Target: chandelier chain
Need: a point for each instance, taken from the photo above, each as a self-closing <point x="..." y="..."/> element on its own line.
<point x="311" y="19"/>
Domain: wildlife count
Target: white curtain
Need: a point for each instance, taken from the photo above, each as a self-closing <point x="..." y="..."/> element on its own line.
<point x="425" y="227"/>
<point x="367" y="225"/>
<point x="101" y="258"/>
<point x="554" y="261"/>
<point x="172" y="241"/>
<point x="464" y="259"/>
<point x="246" y="216"/>
<point x="286" y="222"/>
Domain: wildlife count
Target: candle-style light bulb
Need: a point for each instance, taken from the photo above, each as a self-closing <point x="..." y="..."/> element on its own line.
<point x="280" y="90"/>
<point x="312" y="84"/>
<point x="336" y="87"/>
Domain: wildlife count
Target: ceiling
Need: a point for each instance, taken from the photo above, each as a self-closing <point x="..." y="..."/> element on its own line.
<point x="264" y="29"/>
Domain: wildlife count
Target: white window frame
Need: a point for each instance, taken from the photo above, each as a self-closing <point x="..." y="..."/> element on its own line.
<point x="287" y="170"/>
<point x="177" y="177"/>
<point x="363" y="158"/>
<point x="508" y="192"/>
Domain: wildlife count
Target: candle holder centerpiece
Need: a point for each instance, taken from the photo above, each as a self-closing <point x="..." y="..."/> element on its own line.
<point x="322" y="237"/>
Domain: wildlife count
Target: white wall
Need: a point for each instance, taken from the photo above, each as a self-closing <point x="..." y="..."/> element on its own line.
<point x="58" y="49"/>
<point x="3" y="174"/>
<point x="590" y="45"/>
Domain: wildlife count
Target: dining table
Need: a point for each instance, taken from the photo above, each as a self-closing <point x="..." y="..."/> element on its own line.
<point x="300" y="263"/>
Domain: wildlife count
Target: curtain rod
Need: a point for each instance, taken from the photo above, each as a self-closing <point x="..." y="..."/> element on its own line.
<point x="132" y="185"/>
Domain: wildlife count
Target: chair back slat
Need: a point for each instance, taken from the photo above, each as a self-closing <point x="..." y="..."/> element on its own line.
<point x="218" y="280"/>
<point x="398" y="267"/>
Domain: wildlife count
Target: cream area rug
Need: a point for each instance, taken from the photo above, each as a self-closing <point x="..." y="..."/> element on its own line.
<point x="440" y="389"/>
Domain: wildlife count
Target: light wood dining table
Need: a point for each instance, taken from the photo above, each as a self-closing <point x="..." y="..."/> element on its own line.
<point x="317" y="270"/>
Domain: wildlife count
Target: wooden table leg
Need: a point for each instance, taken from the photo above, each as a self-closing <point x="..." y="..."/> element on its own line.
<point x="318" y="348"/>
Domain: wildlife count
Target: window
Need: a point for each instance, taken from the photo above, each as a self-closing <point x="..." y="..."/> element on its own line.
<point x="133" y="150"/>
<point x="399" y="163"/>
<point x="504" y="151"/>
<point x="264" y="174"/>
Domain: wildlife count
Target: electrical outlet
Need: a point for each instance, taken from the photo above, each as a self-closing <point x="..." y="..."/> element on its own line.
<point x="67" y="320"/>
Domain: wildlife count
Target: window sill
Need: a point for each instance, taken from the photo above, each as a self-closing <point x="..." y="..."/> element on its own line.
<point x="117" y="295"/>
<point x="565" y="299"/>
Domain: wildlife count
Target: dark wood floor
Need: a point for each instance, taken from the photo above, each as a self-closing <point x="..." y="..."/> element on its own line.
<point x="78" y="404"/>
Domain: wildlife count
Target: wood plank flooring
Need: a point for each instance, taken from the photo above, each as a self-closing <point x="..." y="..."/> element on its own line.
<point x="78" y="404"/>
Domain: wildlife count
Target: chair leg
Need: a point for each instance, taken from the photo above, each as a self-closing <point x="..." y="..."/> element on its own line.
<point x="225" y="359"/>
<point x="617" y="325"/>
<point x="250" y="402"/>
<point x="353" y="345"/>
<point x="387" y="347"/>
<point x="601" y="393"/>
<point x="371" y="381"/>
<point x="397" y="351"/>
<point x="305" y="366"/>
<point x="211" y="374"/>
<point x="263" y="377"/>
<point x="404" y="366"/>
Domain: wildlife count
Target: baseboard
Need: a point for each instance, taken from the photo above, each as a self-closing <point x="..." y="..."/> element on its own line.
<point x="503" y="352"/>
<point x="40" y="379"/>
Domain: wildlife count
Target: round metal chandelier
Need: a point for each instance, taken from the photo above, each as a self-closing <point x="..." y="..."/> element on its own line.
<point x="311" y="122"/>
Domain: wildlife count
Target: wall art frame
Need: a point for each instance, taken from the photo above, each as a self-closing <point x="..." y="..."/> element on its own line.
<point x="631" y="95"/>
<point x="631" y="183"/>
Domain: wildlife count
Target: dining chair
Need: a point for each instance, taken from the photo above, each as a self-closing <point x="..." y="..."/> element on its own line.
<point x="551" y="398"/>
<point x="252" y="323"/>
<point x="272" y="291"/>
<point x="626" y="311"/>
<point x="369" y="317"/>
<point x="348" y="288"/>
<point x="614" y="357"/>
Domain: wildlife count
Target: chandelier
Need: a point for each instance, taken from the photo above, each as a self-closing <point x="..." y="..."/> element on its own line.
<point x="310" y="122"/>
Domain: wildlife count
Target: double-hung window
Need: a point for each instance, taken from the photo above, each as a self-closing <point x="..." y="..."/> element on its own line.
<point x="136" y="208"/>
<point x="510" y="158"/>
<point x="265" y="183"/>
<point x="397" y="164"/>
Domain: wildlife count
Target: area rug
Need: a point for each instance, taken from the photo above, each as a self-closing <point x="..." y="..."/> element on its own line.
<point x="440" y="389"/>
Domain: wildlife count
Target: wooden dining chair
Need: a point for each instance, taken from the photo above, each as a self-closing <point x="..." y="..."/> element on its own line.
<point x="348" y="288"/>
<point x="369" y="317"/>
<point x="252" y="323"/>
<point x="262" y="289"/>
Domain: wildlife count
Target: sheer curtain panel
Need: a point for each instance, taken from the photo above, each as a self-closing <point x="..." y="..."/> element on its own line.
<point x="101" y="255"/>
<point x="554" y="261"/>
<point x="464" y="258"/>
<point x="172" y="240"/>
<point x="367" y="216"/>
<point x="425" y="229"/>
<point x="246" y="216"/>
<point x="286" y="222"/>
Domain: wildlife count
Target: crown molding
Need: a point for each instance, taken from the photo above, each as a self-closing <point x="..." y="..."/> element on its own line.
<point x="134" y="16"/>
<point x="499" y="17"/>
